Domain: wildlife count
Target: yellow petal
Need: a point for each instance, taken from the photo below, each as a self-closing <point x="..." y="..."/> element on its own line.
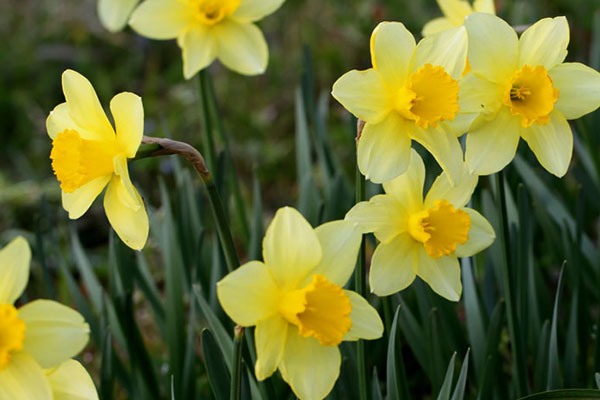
<point x="254" y="10"/>
<point x="392" y="47"/>
<point x="270" y="338"/>
<point x="382" y="214"/>
<point x="199" y="50"/>
<point x="442" y="274"/>
<point x="85" y="108"/>
<point x="552" y="143"/>
<point x="309" y="368"/>
<point x="437" y="25"/>
<point x="491" y="145"/>
<point x="79" y="201"/>
<point x="291" y="249"/>
<point x="115" y="13"/>
<point x="407" y="188"/>
<point x="248" y="294"/>
<point x="579" y="89"/>
<point x="384" y="149"/>
<point x="455" y="10"/>
<point x="458" y="193"/>
<point x="14" y="269"/>
<point x="393" y="265"/>
<point x="366" y="322"/>
<point x="24" y="379"/>
<point x="481" y="235"/>
<point x="484" y="6"/>
<point x="447" y="49"/>
<point x="59" y="120"/>
<point x="493" y="47"/>
<point x="443" y="146"/>
<point x="545" y="43"/>
<point x="55" y="333"/>
<point x="363" y="93"/>
<point x="70" y="381"/>
<point x="161" y="19"/>
<point x="479" y="96"/>
<point x="128" y="112"/>
<point x="241" y="47"/>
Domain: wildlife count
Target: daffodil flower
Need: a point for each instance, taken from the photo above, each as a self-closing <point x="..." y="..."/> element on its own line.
<point x="522" y="88"/>
<point x="455" y="12"/>
<point x="114" y="14"/>
<point x="209" y="29"/>
<point x="411" y="93"/>
<point x="422" y="237"/>
<point x="38" y="339"/>
<point x="88" y="154"/>
<point x="297" y="302"/>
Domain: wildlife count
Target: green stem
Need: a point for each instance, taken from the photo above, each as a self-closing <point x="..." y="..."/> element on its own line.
<point x="208" y="142"/>
<point x="236" y="372"/>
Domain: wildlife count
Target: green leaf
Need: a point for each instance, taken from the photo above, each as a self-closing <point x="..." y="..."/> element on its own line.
<point x="397" y="385"/>
<point x="459" y="390"/>
<point x="597" y="379"/>
<point x="376" y="387"/>
<point x="568" y="394"/>
<point x="473" y="314"/>
<point x="554" y="379"/>
<point x="447" y="384"/>
<point x="216" y="366"/>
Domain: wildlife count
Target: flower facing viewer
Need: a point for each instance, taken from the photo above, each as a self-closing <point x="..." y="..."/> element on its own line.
<point x="88" y="154"/>
<point x="209" y="29"/>
<point x="411" y="93"/>
<point x="455" y="12"/>
<point x="522" y="88"/>
<point x="296" y="300"/>
<point x="422" y="237"/>
<point x="38" y="339"/>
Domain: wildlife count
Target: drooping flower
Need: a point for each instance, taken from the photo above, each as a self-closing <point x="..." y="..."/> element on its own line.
<point x="38" y="339"/>
<point x="522" y="88"/>
<point x="209" y="29"/>
<point x="114" y="14"/>
<point x="422" y="237"/>
<point x="455" y="12"/>
<point x="88" y="154"/>
<point x="411" y="93"/>
<point x="297" y="301"/>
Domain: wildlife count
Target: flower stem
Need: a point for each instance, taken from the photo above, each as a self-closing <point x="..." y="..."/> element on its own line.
<point x="236" y="372"/>
<point x="208" y="142"/>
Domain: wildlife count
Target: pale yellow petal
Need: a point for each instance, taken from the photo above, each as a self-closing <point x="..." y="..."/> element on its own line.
<point x="162" y="19"/>
<point x="84" y="106"/>
<point x="14" y="269"/>
<point x="552" y="143"/>
<point x="199" y="50"/>
<point x="437" y="25"/>
<point x="270" y="337"/>
<point x="455" y="10"/>
<point x="384" y="149"/>
<point x="407" y="188"/>
<point x="55" y="333"/>
<point x="366" y="322"/>
<point x="493" y="47"/>
<point x="291" y="248"/>
<point x="441" y="274"/>
<point x="479" y="96"/>
<point x="382" y="214"/>
<point x="309" y="368"/>
<point x="443" y="146"/>
<point x="71" y="381"/>
<point x="59" y="120"/>
<point x="79" y="201"/>
<point x="579" y="89"/>
<point x="115" y="13"/>
<point x="545" y="43"/>
<point x="128" y="112"/>
<point x="241" y="47"/>
<point x="484" y="6"/>
<point x="492" y="144"/>
<point x="393" y="265"/>
<point x="392" y="47"/>
<point x="458" y="193"/>
<point x="447" y="49"/>
<point x="248" y="294"/>
<point x="24" y="379"/>
<point x="364" y="94"/>
<point x="254" y="10"/>
<point x="481" y="235"/>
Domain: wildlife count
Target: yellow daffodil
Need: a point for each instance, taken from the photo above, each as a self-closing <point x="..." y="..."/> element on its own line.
<point x="115" y="13"/>
<point x="297" y="302"/>
<point x="455" y="12"/>
<point x="522" y="88"/>
<point x="411" y="93"/>
<point x="88" y="154"/>
<point x="209" y="29"/>
<point x="38" y="339"/>
<point x="422" y="237"/>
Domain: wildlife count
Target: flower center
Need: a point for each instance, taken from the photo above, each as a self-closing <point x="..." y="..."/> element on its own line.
<point x="76" y="161"/>
<point x="210" y="12"/>
<point x="440" y="228"/>
<point x="12" y="333"/>
<point x="430" y="96"/>
<point x="530" y="94"/>
<point x="321" y="310"/>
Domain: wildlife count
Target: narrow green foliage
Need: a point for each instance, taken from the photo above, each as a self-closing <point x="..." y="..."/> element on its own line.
<point x="396" y="382"/>
<point x="216" y="367"/>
